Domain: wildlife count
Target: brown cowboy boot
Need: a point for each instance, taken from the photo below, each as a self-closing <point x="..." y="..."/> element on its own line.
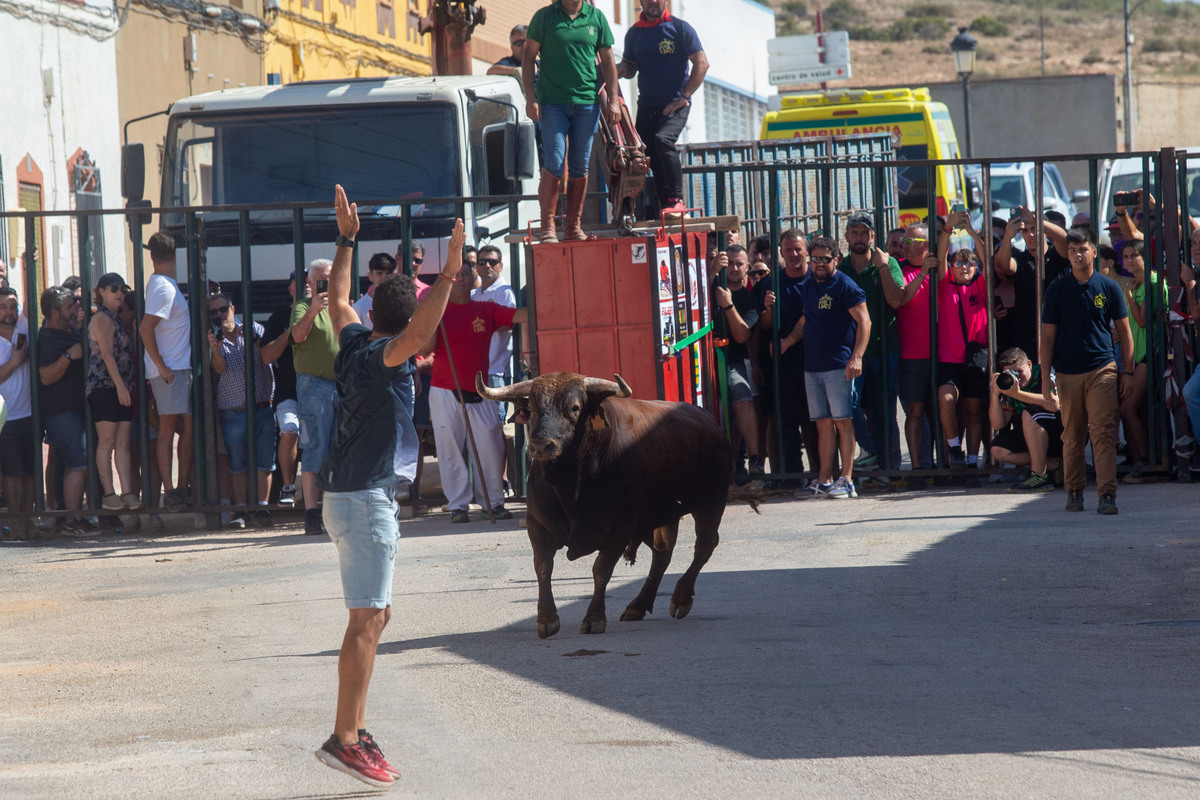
<point x="548" y="199"/>
<point x="576" y="192"/>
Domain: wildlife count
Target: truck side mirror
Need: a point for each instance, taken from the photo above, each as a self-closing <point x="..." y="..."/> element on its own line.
<point x="137" y="219"/>
<point x="133" y="171"/>
<point x="520" y="150"/>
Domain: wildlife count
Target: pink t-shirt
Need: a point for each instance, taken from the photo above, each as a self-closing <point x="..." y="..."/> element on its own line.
<point x="913" y="317"/>
<point x="952" y="349"/>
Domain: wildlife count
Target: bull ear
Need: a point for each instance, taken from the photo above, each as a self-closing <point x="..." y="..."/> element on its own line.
<point x="520" y="415"/>
<point x="517" y="391"/>
<point x="598" y="388"/>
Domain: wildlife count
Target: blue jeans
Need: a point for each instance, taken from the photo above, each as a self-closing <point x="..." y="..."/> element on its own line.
<point x="870" y="394"/>
<point x="317" y="401"/>
<point x="567" y="132"/>
<point x="830" y="395"/>
<point x="363" y="527"/>
<point x="235" y="430"/>
<point x="404" y="462"/>
<point x="1191" y="398"/>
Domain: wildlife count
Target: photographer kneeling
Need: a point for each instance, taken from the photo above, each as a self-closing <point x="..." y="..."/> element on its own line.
<point x="1027" y="433"/>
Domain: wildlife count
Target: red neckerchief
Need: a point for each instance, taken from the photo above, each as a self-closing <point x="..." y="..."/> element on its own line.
<point x="645" y="23"/>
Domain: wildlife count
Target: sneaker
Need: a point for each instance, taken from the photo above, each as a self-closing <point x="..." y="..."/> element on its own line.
<point x="1140" y="474"/>
<point x="814" y="489"/>
<point x="1108" y="505"/>
<point x="840" y="490"/>
<point x="175" y="502"/>
<point x="1075" y="500"/>
<point x="460" y="515"/>
<point x="49" y="524"/>
<point x="356" y="761"/>
<point x="157" y="525"/>
<point x="313" y="525"/>
<point x="113" y="502"/>
<point x="956" y="457"/>
<point x="237" y="521"/>
<point x="867" y="462"/>
<point x="1036" y="482"/>
<point x="755" y="466"/>
<point x="132" y="501"/>
<point x="1060" y="476"/>
<point x="262" y="519"/>
<point x="79" y="528"/>
<point x="674" y="209"/>
<point x="500" y="512"/>
<point x="287" y="495"/>
<point x="368" y="743"/>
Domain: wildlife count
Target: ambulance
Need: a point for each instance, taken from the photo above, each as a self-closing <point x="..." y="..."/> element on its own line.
<point x="921" y="130"/>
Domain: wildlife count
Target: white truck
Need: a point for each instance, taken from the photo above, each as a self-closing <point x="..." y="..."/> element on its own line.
<point x="389" y="141"/>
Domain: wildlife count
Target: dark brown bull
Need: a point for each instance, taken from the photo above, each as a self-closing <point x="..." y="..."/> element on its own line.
<point x="608" y="474"/>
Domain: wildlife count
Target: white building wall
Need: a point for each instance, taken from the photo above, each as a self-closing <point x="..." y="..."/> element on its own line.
<point x="60" y="78"/>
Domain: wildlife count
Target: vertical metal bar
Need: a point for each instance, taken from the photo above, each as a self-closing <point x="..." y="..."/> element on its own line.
<point x="518" y="282"/>
<point x="33" y="316"/>
<point x="1039" y="287"/>
<point x="139" y="308"/>
<point x="777" y="277"/>
<point x="1154" y="382"/>
<point x="85" y="276"/>
<point x="939" y="440"/>
<point x="248" y="365"/>
<point x="298" y="261"/>
<point x="202" y="422"/>
<point x="887" y="412"/>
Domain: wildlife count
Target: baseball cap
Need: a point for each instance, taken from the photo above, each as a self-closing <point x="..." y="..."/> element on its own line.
<point x="112" y="279"/>
<point x="860" y="218"/>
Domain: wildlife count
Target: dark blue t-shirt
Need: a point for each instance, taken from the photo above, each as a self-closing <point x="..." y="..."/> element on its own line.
<point x="828" y="327"/>
<point x="661" y="53"/>
<point x="1083" y="313"/>
<point x="364" y="432"/>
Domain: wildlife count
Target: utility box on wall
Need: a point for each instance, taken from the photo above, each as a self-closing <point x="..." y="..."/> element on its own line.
<point x="635" y="306"/>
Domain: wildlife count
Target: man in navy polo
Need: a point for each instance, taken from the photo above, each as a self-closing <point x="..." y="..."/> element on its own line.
<point x="661" y="46"/>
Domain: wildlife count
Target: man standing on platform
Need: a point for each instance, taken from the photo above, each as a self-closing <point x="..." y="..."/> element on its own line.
<point x="660" y="47"/>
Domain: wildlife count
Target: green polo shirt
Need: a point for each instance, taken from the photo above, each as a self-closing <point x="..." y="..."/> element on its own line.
<point x="868" y="281"/>
<point x="315" y="355"/>
<point x="568" y="53"/>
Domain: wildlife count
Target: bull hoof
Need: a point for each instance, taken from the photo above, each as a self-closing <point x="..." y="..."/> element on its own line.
<point x="593" y="626"/>
<point x="633" y="614"/>
<point x="680" y="610"/>
<point x="547" y="629"/>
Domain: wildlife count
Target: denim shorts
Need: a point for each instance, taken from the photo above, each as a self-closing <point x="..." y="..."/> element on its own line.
<point x="829" y="394"/>
<point x="233" y="426"/>
<point x="66" y="433"/>
<point x="567" y="132"/>
<point x="364" y="528"/>
<point x="317" y="407"/>
<point x="286" y="416"/>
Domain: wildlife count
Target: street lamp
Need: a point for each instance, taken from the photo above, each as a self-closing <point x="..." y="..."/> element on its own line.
<point x="1129" y="76"/>
<point x="963" y="48"/>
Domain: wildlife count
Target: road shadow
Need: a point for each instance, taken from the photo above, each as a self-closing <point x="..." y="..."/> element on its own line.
<point x="1010" y="637"/>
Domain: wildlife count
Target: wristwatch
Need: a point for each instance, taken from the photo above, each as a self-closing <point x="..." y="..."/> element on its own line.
<point x="67" y="354"/>
<point x="342" y="241"/>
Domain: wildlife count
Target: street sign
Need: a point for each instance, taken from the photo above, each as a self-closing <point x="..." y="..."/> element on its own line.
<point x="779" y="62"/>
<point x="787" y="45"/>
<point x="821" y="72"/>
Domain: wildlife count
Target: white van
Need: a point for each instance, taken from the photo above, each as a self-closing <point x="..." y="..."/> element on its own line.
<point x="1125" y="175"/>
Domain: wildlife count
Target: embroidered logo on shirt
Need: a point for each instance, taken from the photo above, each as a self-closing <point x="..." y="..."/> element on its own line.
<point x="1098" y="301"/>
<point x="591" y="30"/>
<point x="666" y="47"/>
<point x="825" y="303"/>
<point x="479" y="326"/>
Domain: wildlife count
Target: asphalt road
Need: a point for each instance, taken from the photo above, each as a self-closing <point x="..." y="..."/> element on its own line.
<point x="922" y="644"/>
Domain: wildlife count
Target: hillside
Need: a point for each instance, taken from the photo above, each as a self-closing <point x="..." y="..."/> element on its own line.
<point x="901" y="42"/>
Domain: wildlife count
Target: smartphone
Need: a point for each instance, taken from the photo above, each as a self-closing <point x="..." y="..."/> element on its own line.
<point x="1014" y="214"/>
<point x="20" y="341"/>
<point x="216" y="329"/>
<point x="322" y="286"/>
<point x="997" y="302"/>
<point x="1125" y="198"/>
<point x="958" y="208"/>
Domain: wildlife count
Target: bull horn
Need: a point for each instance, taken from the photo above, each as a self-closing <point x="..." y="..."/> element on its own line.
<point x="517" y="391"/>
<point x="600" y="386"/>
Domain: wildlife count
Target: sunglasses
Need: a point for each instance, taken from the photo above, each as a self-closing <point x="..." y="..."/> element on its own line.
<point x="417" y="259"/>
<point x="218" y="312"/>
<point x="758" y="272"/>
<point x="820" y="259"/>
<point x="518" y="42"/>
<point x="491" y="262"/>
<point x="912" y="240"/>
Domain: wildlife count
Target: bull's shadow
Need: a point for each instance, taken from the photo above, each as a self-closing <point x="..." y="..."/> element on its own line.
<point x="998" y="639"/>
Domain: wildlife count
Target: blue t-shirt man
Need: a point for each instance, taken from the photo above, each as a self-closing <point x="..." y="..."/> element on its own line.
<point x="1083" y="313"/>
<point x="661" y="51"/>
<point x="829" y="330"/>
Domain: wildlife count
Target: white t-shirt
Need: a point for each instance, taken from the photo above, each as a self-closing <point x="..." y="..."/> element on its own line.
<point x="173" y="334"/>
<point x="501" y="349"/>
<point x="363" y="307"/>
<point x="15" y="390"/>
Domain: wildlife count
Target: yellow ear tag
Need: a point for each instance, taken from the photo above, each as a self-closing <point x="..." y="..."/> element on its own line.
<point x="597" y="421"/>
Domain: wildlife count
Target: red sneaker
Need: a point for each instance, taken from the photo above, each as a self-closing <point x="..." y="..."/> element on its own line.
<point x="674" y="208"/>
<point x="355" y="761"/>
<point x="369" y="745"/>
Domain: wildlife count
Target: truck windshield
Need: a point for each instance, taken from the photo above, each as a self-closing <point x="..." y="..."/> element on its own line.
<point x="376" y="152"/>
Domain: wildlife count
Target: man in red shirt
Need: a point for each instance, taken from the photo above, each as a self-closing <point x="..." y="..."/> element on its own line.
<point x="467" y="326"/>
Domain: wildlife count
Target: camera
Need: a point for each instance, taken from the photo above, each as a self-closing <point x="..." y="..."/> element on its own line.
<point x="1007" y="379"/>
<point x="322" y="286"/>
<point x="1125" y="198"/>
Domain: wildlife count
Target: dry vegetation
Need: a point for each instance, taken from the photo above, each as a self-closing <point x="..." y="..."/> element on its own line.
<point x="906" y="42"/>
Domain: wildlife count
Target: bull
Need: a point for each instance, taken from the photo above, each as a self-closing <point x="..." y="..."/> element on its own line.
<point x="608" y="474"/>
